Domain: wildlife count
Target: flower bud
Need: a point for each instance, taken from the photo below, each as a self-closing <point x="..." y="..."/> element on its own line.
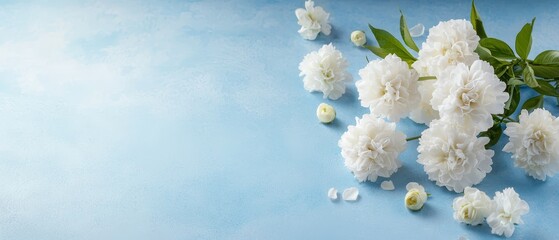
<point x="358" y="38"/>
<point x="325" y="113"/>
<point x="468" y="214"/>
<point x="414" y="200"/>
<point x="416" y="196"/>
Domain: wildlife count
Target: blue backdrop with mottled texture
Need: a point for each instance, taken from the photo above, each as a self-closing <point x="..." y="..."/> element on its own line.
<point x="188" y="120"/>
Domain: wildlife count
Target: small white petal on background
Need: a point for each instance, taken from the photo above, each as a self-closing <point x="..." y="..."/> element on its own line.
<point x="350" y="194"/>
<point x="387" y="185"/>
<point x="417" y="30"/>
<point x="333" y="193"/>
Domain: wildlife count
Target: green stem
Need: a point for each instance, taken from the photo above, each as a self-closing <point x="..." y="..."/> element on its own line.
<point x="413" y="138"/>
<point x="427" y="78"/>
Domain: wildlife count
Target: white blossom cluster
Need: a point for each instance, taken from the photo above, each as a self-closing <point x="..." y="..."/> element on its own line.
<point x="449" y="89"/>
<point x="502" y="213"/>
<point x="457" y="104"/>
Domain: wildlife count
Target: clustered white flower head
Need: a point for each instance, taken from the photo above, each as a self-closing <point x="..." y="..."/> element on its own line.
<point x="325" y="71"/>
<point x="508" y="210"/>
<point x="470" y="95"/>
<point x="501" y="213"/>
<point x="371" y="148"/>
<point x="388" y="87"/>
<point x="415" y="197"/>
<point x="448" y="44"/>
<point x="473" y="207"/>
<point x="453" y="156"/>
<point x="534" y="143"/>
<point x="313" y="20"/>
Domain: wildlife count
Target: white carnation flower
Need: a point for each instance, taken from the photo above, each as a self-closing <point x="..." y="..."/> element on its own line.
<point x="448" y="44"/>
<point x="424" y="113"/>
<point x="313" y="20"/>
<point x="371" y="147"/>
<point x="470" y="95"/>
<point x="452" y="156"/>
<point x="325" y="71"/>
<point x="473" y="207"/>
<point x="388" y="87"/>
<point x="534" y="143"/>
<point x="508" y="210"/>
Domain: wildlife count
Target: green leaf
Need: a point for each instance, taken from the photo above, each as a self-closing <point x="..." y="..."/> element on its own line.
<point x="514" y="100"/>
<point x="406" y="33"/>
<point x="529" y="78"/>
<point x="391" y="45"/>
<point x="546" y="71"/>
<point x="515" y="82"/>
<point x="549" y="57"/>
<point x="494" y="133"/>
<point x="377" y="51"/>
<point x="532" y="103"/>
<point x="524" y="40"/>
<point x="546" y="89"/>
<point x="485" y="55"/>
<point x="546" y="64"/>
<point x="498" y="48"/>
<point x="475" y="19"/>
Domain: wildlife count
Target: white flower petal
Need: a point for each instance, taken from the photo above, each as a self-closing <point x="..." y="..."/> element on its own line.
<point x="350" y="194"/>
<point x="412" y="185"/>
<point x="333" y="193"/>
<point x="417" y="30"/>
<point x="387" y="185"/>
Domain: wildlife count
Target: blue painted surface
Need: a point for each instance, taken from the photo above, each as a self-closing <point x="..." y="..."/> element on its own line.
<point x="188" y="120"/>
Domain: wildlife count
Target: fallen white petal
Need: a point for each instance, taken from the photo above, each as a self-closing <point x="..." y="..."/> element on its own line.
<point x="417" y="30"/>
<point x="463" y="238"/>
<point x="387" y="185"/>
<point x="333" y="193"/>
<point x="350" y="194"/>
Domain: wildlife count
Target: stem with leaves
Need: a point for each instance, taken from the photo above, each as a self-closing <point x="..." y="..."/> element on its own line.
<point x="540" y="74"/>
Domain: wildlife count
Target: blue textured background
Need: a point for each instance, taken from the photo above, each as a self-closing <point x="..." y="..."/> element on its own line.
<point x="188" y="120"/>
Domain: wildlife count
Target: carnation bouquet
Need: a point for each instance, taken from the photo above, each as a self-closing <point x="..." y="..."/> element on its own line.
<point x="465" y="86"/>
